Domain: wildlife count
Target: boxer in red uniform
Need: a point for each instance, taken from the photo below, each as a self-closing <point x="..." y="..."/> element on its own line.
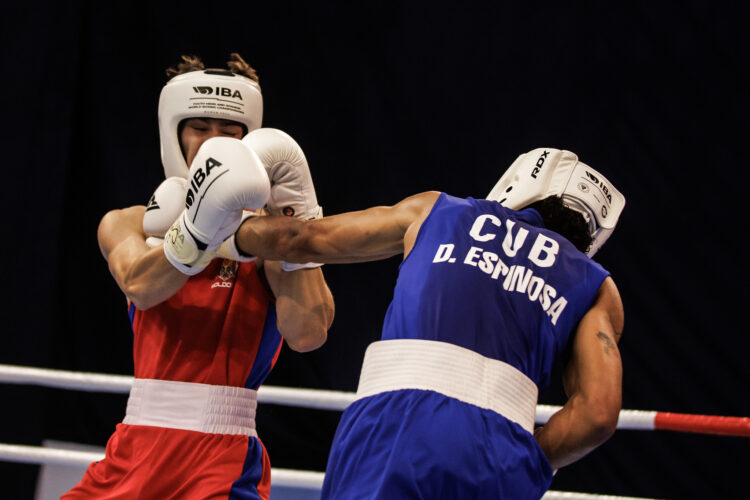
<point x="207" y="321"/>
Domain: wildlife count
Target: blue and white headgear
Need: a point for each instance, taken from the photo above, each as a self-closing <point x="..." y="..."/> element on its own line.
<point x="547" y="172"/>
<point x="209" y="93"/>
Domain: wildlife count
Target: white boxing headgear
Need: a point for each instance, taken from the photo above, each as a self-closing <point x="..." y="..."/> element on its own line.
<point x="209" y="93"/>
<point x="545" y="172"/>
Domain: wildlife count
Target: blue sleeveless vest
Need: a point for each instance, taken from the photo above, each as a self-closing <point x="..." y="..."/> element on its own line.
<point x="493" y="280"/>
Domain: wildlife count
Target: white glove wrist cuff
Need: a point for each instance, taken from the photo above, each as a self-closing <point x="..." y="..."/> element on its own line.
<point x="182" y="251"/>
<point x="291" y="266"/>
<point x="229" y="250"/>
<point x="189" y="269"/>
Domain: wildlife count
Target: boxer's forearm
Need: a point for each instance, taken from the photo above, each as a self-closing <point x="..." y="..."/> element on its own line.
<point x="573" y="432"/>
<point x="304" y="305"/>
<point x="366" y="235"/>
<point x="147" y="278"/>
<point x="142" y="273"/>
<point x="593" y="379"/>
<point x="271" y="238"/>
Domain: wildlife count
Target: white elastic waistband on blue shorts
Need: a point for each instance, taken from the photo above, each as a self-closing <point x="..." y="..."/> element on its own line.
<point x="453" y="371"/>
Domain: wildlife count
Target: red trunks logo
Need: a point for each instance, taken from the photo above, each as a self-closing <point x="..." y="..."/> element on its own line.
<point x="227" y="271"/>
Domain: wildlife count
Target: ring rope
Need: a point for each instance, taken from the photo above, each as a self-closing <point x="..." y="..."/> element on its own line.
<point x="281" y="477"/>
<point x="339" y="400"/>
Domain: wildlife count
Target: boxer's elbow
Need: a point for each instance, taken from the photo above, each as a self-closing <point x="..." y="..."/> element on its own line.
<point x="307" y="332"/>
<point x="142" y="297"/>
<point x="313" y="339"/>
<point x="138" y="290"/>
<point x="603" y="426"/>
<point x="145" y="293"/>
<point x="601" y="416"/>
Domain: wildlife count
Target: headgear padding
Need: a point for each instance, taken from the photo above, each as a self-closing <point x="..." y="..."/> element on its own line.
<point x="546" y="172"/>
<point x="210" y="93"/>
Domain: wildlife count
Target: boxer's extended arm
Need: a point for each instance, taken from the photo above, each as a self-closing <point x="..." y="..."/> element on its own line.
<point x="593" y="382"/>
<point x="304" y="302"/>
<point x="142" y="273"/>
<point x="373" y="234"/>
<point x="304" y="305"/>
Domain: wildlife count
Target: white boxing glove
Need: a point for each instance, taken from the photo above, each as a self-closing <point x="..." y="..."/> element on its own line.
<point x="165" y="205"/>
<point x="225" y="177"/>
<point x="292" y="189"/>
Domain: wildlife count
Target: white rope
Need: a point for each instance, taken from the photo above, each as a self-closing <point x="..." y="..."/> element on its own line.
<point x="79" y="381"/>
<point x="50" y="456"/>
<point x="629" y="419"/>
<point x="306" y="398"/>
<point x="297" y="478"/>
<point x="571" y="495"/>
<point x="58" y="456"/>
<point x="280" y="477"/>
<point x="636" y="420"/>
<point x="120" y="384"/>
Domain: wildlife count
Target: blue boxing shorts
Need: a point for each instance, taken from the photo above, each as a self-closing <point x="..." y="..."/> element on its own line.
<point x="410" y="443"/>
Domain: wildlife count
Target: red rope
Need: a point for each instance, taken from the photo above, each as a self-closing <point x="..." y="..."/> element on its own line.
<point x="704" y="424"/>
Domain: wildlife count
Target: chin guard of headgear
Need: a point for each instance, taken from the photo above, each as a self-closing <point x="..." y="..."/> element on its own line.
<point x="545" y="172"/>
<point x="208" y="93"/>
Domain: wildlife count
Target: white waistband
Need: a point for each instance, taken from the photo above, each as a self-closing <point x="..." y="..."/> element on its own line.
<point x="451" y="370"/>
<point x="215" y="409"/>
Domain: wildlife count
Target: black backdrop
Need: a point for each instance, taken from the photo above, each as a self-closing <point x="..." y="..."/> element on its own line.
<point x="390" y="99"/>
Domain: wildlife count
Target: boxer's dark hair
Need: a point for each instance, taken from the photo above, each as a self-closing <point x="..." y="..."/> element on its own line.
<point x="564" y="221"/>
<point x="236" y="64"/>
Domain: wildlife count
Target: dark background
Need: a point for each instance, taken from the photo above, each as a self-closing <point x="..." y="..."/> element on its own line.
<point x="390" y="99"/>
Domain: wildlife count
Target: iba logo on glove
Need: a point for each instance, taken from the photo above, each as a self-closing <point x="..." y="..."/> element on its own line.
<point x="199" y="177"/>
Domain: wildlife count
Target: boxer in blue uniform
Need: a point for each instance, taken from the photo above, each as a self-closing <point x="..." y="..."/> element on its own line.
<point x="490" y="293"/>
